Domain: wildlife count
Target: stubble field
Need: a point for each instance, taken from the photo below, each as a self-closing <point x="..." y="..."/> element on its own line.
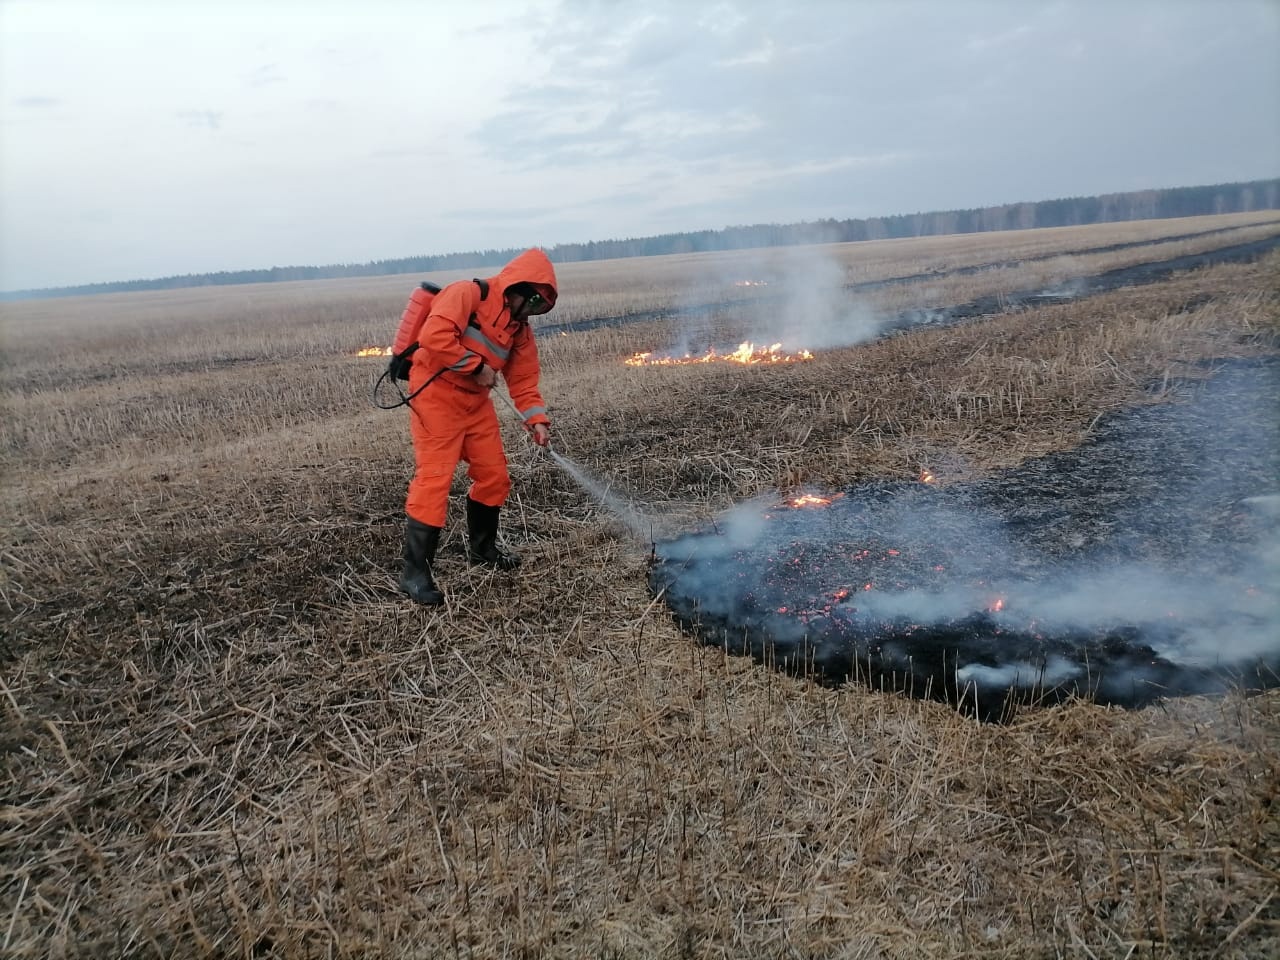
<point x="226" y="734"/>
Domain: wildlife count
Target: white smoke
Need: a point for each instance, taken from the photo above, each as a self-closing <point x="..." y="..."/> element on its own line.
<point x="813" y="310"/>
<point x="1215" y="620"/>
<point x="1054" y="672"/>
<point x="802" y="303"/>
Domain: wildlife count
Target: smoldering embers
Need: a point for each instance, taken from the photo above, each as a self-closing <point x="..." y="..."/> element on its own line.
<point x="1135" y="567"/>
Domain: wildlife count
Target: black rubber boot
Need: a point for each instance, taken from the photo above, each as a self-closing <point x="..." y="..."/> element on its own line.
<point x="482" y="532"/>
<point x="420" y="542"/>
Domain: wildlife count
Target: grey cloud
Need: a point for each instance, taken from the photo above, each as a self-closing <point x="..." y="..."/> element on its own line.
<point x="892" y="187"/>
<point x="657" y="43"/>
<point x="826" y="79"/>
<point x="1058" y="85"/>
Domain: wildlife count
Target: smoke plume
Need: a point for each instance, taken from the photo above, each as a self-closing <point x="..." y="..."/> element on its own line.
<point x="805" y="306"/>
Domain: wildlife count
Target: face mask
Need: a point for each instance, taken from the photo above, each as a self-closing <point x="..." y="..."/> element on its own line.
<point x="536" y="304"/>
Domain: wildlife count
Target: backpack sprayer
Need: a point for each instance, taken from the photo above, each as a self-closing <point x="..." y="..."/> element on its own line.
<point x="406" y="342"/>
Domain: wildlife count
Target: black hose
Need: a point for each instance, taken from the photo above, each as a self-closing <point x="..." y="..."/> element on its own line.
<point x="404" y="398"/>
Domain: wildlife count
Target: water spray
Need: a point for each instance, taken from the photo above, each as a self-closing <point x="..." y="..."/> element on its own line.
<point x="637" y="522"/>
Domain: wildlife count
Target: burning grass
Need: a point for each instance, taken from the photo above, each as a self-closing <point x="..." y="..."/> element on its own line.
<point x="226" y="734"/>
<point x="747" y="354"/>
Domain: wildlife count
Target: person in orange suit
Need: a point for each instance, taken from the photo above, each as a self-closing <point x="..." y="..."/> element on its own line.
<point x="476" y="330"/>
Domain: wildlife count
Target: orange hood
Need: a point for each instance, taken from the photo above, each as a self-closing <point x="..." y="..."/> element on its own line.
<point x="532" y="266"/>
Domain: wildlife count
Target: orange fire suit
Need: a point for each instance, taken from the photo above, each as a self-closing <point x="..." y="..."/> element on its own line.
<point x="452" y="417"/>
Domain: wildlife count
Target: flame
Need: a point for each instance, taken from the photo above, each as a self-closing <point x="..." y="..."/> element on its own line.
<point x="926" y="476"/>
<point x="747" y="353"/>
<point x="808" y="500"/>
<point x="996" y="605"/>
<point x="752" y="283"/>
<point x="811" y="500"/>
<point x="374" y="352"/>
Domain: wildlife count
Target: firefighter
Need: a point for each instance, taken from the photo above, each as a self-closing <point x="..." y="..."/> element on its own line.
<point x="476" y="329"/>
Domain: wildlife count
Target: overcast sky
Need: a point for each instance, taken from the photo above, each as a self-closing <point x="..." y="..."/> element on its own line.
<point x="145" y="139"/>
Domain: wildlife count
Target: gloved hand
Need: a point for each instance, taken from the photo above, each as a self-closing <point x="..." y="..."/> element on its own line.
<point x="542" y="434"/>
<point x="398" y="368"/>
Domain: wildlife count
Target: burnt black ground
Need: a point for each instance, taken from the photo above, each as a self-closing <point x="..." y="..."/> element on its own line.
<point x="1137" y="566"/>
<point x="1080" y="287"/>
<point x="1005" y="264"/>
<point x="1076" y="289"/>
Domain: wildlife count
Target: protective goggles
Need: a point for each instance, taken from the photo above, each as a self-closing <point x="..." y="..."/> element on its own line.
<point x="535" y="303"/>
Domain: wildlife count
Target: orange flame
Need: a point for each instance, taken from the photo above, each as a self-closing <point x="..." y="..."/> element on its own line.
<point x="811" y="500"/>
<point x="747" y="353"/>
<point x="808" y="500"/>
<point x="996" y="605"/>
<point x="374" y="352"/>
<point x="926" y="476"/>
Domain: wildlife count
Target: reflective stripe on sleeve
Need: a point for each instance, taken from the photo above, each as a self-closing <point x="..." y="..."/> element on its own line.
<point x="471" y="333"/>
<point x="465" y="361"/>
<point x="533" y="412"/>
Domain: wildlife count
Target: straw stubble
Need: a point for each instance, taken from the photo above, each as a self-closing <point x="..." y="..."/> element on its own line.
<point x="226" y="733"/>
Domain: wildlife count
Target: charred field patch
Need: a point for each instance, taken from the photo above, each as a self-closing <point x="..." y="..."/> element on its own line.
<point x="1135" y="567"/>
<point x="225" y="733"/>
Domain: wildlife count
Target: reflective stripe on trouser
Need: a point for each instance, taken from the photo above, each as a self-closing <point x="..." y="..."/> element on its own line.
<point x="447" y="425"/>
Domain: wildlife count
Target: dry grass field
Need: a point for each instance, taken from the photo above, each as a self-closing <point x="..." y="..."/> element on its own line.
<point x="225" y="734"/>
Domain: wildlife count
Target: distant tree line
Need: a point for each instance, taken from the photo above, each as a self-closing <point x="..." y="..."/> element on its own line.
<point x="1071" y="211"/>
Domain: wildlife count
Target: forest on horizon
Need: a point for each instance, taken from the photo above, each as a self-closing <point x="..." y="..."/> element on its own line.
<point x="1154" y="204"/>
